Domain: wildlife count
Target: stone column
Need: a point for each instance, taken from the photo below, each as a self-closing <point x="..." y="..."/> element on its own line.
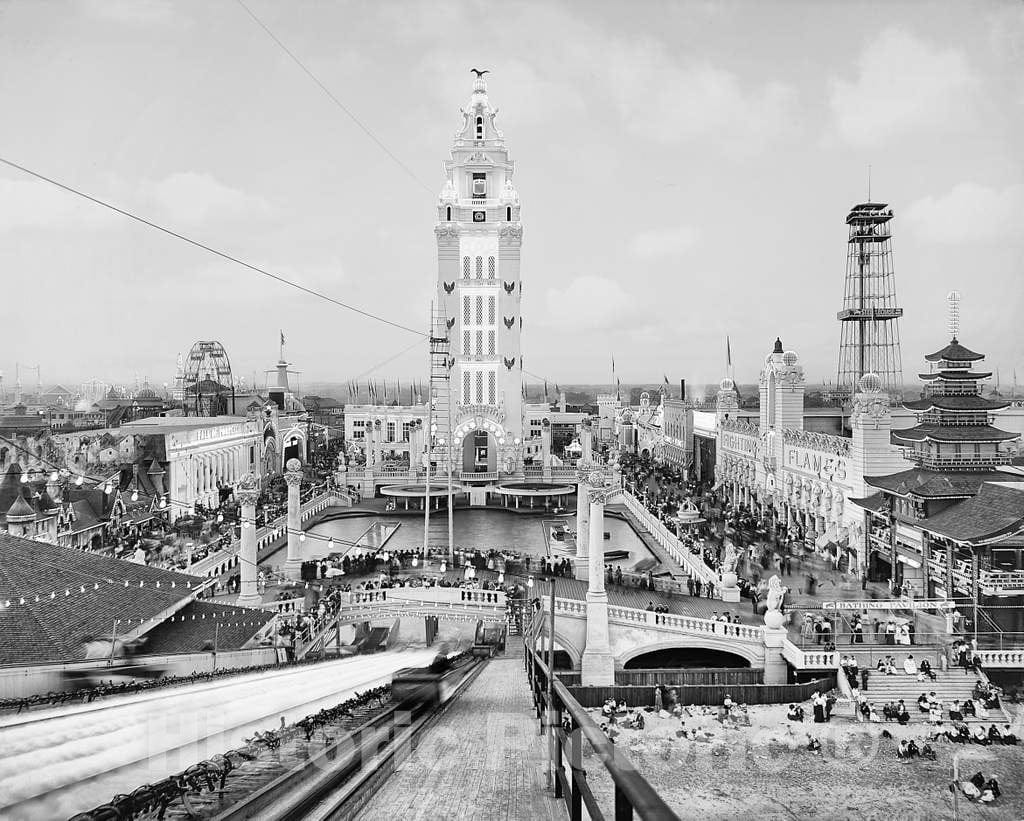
<point x="247" y="494"/>
<point x="598" y="664"/>
<point x="293" y="476"/>
<point x="587" y="442"/>
<point x="581" y="565"/>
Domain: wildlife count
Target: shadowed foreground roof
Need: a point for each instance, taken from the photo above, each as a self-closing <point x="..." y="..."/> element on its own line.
<point x="51" y="629"/>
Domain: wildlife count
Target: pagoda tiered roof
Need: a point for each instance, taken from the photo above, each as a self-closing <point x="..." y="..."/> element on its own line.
<point x="935" y="484"/>
<point x="954" y="433"/>
<point x="954" y="352"/>
<point x="971" y="402"/>
<point x="953" y="376"/>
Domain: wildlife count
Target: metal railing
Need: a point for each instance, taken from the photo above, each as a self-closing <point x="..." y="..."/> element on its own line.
<point x="632" y="793"/>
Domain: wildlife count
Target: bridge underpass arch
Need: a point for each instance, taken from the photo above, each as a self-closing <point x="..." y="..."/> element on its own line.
<point x="681" y="654"/>
<point x="570" y="654"/>
<point x="682" y="657"/>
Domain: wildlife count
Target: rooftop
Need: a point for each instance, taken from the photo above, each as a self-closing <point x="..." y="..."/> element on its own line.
<point x="51" y="629"/>
<point x="996" y="510"/>
<point x="178" y="424"/>
<point x="938" y="485"/>
<point x="954" y="352"/>
<point x="199" y="622"/>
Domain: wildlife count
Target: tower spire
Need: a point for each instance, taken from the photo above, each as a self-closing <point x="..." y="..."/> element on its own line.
<point x="953" y="300"/>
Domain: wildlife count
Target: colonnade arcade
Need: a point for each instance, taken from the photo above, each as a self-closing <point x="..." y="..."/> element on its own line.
<point x="815" y="505"/>
<point x="218" y="467"/>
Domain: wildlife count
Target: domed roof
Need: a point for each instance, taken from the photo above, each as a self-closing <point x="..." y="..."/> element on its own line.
<point x="727" y="384"/>
<point x="146" y="393"/>
<point x="790" y="358"/>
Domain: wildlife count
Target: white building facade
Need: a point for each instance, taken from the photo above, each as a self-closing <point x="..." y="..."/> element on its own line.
<point x="204" y="454"/>
<point x="804" y="479"/>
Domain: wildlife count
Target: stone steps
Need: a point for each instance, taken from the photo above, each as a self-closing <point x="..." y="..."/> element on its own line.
<point x="949" y="686"/>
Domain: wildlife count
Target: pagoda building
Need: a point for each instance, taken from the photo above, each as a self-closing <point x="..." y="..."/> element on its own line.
<point x="952" y="526"/>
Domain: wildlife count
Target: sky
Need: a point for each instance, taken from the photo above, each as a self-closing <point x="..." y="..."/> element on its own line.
<point x="685" y="169"/>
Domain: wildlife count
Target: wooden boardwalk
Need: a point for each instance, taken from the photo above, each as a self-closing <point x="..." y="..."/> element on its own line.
<point x="484" y="758"/>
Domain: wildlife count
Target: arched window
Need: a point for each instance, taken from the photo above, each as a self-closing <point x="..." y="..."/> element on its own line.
<point x="490" y="267"/>
<point x="465" y="267"/>
<point x="479" y="128"/>
<point x="508" y="213"/>
<point x="448" y="213"/>
<point x="479" y="267"/>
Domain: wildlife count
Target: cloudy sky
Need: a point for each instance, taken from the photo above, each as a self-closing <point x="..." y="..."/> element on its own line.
<point x="685" y="170"/>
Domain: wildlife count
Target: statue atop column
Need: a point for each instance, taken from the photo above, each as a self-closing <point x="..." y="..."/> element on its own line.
<point x="776" y="593"/>
<point x="247" y="491"/>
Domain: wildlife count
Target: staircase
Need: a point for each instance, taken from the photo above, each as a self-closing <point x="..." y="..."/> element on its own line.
<point x="949" y="686"/>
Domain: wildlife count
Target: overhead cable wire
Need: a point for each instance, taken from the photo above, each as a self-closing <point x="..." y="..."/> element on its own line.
<point x="209" y="249"/>
<point x="380" y="144"/>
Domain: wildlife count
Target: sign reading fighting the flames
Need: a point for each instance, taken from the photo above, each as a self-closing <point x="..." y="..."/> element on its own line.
<point x="814" y="463"/>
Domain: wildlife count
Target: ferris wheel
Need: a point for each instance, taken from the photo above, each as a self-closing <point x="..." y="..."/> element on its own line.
<point x="207" y="384"/>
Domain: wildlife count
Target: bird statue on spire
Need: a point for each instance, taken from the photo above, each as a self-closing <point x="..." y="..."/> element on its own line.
<point x="479" y="74"/>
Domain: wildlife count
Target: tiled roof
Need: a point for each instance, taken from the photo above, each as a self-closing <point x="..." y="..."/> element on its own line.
<point x="930" y="483"/>
<point x="954" y="352"/>
<point x="872" y="502"/>
<point x="954" y="433"/>
<point x="200" y="622"/>
<point x="972" y="403"/>
<point x="954" y="376"/>
<point x="996" y="510"/>
<point x="52" y="629"/>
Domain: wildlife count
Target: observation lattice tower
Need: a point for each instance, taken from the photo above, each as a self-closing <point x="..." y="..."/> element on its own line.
<point x="870" y="340"/>
<point x="438" y="435"/>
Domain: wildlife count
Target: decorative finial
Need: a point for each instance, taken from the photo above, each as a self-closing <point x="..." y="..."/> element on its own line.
<point x="953" y="298"/>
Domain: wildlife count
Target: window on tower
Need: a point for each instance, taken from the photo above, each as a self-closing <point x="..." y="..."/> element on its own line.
<point x="467" y="399"/>
<point x="479" y="184"/>
<point x="480" y="387"/>
<point x="479" y="343"/>
<point x="490" y="267"/>
<point x="466" y="350"/>
<point x="491" y="388"/>
<point x="508" y="213"/>
<point x="448" y="213"/>
<point x="479" y="128"/>
<point x="465" y="267"/>
<point x="479" y="267"/>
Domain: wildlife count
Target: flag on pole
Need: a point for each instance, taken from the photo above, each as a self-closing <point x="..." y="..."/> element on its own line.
<point x="545" y="389"/>
<point x="282" y="337"/>
<point x="728" y="352"/>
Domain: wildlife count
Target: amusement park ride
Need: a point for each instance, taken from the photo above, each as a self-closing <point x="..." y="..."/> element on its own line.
<point x="207" y="383"/>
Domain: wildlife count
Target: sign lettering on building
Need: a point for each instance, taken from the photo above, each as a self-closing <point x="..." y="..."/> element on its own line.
<point x="814" y="463"/>
<point x="738" y="443"/>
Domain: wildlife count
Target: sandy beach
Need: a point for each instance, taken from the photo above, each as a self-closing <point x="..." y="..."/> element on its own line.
<point x="766" y="769"/>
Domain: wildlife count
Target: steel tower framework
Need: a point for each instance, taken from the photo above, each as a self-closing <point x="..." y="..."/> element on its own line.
<point x="870" y="340"/>
<point x="440" y="447"/>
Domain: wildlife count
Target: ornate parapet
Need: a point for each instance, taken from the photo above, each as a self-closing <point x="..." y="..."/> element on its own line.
<point x="741" y="426"/>
<point x="823" y="442"/>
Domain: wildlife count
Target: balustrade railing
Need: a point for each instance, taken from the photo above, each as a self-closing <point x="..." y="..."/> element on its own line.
<point x="689" y="625"/>
<point x="694" y="564"/>
<point x="809" y="659"/>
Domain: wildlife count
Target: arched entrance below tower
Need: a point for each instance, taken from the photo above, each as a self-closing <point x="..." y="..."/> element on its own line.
<point x="479" y="452"/>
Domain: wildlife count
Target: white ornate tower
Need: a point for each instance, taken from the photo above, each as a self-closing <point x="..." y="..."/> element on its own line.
<point x="478" y="240"/>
